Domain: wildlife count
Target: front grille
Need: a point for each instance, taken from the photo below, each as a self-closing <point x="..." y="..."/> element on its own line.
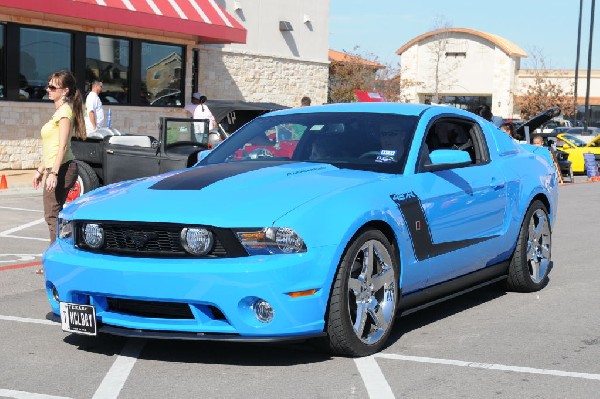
<point x="161" y="310"/>
<point x="155" y="240"/>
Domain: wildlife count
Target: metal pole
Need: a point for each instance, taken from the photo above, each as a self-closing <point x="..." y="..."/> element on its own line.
<point x="586" y="121"/>
<point x="577" y="63"/>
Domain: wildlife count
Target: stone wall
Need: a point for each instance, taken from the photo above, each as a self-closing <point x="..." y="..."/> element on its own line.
<point x="20" y="141"/>
<point x="256" y="77"/>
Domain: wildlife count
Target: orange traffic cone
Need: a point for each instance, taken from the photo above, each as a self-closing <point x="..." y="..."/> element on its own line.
<point x="3" y="184"/>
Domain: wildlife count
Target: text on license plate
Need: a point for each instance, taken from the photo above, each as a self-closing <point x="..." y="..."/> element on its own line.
<point x="79" y="319"/>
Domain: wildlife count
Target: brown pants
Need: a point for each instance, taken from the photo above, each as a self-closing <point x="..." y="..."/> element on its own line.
<point x="54" y="200"/>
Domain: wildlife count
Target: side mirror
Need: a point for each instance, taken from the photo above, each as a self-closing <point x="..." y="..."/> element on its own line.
<point x="447" y="159"/>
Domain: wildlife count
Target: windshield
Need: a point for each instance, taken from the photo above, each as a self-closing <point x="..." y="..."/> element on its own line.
<point x="575" y="140"/>
<point x="366" y="141"/>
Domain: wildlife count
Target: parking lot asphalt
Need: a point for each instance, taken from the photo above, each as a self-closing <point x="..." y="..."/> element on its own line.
<point x="487" y="343"/>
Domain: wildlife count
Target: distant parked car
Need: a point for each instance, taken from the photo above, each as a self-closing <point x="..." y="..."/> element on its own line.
<point x="575" y="147"/>
<point x="587" y="135"/>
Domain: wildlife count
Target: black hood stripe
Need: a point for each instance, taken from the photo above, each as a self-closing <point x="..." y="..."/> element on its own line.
<point x="199" y="178"/>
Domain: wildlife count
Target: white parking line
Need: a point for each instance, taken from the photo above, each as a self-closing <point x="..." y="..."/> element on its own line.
<point x="116" y="377"/>
<point x="490" y="366"/>
<point x="20" y="209"/>
<point x="374" y="380"/>
<point x="9" y="393"/>
<point x="21" y="227"/>
<point x="27" y="320"/>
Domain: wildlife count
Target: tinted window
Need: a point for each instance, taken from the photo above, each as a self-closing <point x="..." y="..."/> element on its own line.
<point x="2" y="68"/>
<point x="161" y="74"/>
<point x="455" y="134"/>
<point x="42" y="53"/>
<point x="367" y="141"/>
<point x="107" y="60"/>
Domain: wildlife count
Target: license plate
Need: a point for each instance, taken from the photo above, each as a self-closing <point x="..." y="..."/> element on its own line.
<point x="78" y="319"/>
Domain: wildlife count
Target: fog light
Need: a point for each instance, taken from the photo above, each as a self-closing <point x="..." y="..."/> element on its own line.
<point x="55" y="294"/>
<point x="93" y="235"/>
<point x="196" y="240"/>
<point x="263" y="310"/>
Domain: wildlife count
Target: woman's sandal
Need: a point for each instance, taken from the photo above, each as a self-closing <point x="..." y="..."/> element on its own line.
<point x="39" y="271"/>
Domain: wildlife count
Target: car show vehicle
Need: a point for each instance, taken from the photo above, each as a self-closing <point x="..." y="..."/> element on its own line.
<point x="379" y="209"/>
<point x="108" y="156"/>
<point x="576" y="148"/>
<point x="584" y="134"/>
<point x="561" y="158"/>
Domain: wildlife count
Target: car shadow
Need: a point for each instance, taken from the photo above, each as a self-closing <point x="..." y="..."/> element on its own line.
<point x="415" y="320"/>
<point x="276" y="353"/>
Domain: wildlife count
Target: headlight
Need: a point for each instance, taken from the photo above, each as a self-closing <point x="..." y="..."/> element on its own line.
<point x="93" y="235"/>
<point x="272" y="240"/>
<point x="65" y="229"/>
<point x="197" y="240"/>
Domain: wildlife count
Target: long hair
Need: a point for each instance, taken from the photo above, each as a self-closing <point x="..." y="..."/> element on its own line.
<point x="75" y="100"/>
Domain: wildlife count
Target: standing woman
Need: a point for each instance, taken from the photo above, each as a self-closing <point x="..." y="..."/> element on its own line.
<point x="57" y="159"/>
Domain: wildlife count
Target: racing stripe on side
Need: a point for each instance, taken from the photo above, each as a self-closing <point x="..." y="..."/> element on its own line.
<point x="199" y="178"/>
<point x="420" y="234"/>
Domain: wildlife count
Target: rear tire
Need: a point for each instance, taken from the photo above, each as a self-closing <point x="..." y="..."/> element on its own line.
<point x="363" y="300"/>
<point x="87" y="180"/>
<point x="530" y="263"/>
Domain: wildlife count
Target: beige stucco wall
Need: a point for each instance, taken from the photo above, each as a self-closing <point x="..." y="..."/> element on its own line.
<point x="486" y="70"/>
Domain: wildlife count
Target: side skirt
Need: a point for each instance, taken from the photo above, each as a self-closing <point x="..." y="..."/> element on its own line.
<point x="433" y="295"/>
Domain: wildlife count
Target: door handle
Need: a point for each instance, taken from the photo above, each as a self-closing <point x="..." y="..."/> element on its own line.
<point x="497" y="184"/>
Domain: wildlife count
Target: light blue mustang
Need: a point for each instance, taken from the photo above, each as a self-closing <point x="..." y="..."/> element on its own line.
<point x="318" y="222"/>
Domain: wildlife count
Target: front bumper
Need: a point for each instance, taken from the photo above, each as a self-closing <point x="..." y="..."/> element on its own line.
<point x="194" y="298"/>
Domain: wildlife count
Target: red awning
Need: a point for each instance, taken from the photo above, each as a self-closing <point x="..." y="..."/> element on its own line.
<point x="203" y="20"/>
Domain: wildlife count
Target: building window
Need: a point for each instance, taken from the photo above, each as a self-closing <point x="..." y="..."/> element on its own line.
<point x="107" y="60"/>
<point x="2" y="57"/>
<point x="127" y="67"/>
<point x="456" y="54"/>
<point x="42" y="52"/>
<point x="160" y="74"/>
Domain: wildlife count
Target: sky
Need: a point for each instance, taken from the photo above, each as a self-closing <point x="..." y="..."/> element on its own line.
<point x="547" y="28"/>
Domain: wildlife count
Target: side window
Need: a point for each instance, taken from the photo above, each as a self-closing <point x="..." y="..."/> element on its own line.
<point x="455" y="134"/>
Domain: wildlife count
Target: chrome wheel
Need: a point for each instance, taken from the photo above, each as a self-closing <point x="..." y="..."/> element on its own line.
<point x="538" y="246"/>
<point x="530" y="264"/>
<point x="371" y="292"/>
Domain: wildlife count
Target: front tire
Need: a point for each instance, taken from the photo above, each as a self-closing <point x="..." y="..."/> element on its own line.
<point x="364" y="296"/>
<point x="530" y="264"/>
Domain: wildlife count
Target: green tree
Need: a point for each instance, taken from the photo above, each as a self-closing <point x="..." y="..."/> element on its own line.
<point x="351" y="71"/>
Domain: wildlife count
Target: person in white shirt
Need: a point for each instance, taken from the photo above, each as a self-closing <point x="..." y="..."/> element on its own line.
<point x="94" y="113"/>
<point x="202" y="112"/>
<point x="190" y="108"/>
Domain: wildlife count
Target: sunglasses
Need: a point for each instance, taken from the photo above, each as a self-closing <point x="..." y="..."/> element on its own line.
<point x="52" y="87"/>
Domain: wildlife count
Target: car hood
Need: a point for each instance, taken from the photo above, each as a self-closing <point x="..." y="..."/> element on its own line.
<point x="538" y="121"/>
<point x="229" y="195"/>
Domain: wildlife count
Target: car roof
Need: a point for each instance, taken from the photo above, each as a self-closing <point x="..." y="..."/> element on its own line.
<point x="378" y="107"/>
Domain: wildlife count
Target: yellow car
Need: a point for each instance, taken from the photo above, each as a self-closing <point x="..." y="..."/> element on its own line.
<point x="576" y="147"/>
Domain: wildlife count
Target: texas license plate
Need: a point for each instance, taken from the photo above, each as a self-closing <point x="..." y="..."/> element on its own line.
<point x="78" y="319"/>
